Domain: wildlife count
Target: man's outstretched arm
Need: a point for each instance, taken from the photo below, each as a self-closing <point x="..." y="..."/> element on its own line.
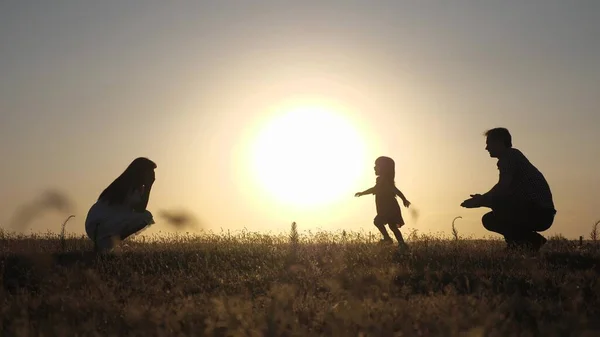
<point x="502" y="188"/>
<point x="507" y="169"/>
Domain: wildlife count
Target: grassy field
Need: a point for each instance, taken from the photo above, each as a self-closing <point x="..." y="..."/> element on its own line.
<point x="317" y="284"/>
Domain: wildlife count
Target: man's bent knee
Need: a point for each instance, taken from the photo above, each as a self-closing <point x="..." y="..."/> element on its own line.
<point x="544" y="221"/>
<point x="489" y="221"/>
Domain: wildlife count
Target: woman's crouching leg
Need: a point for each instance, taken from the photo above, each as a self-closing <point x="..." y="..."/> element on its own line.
<point x="107" y="234"/>
<point x="135" y="223"/>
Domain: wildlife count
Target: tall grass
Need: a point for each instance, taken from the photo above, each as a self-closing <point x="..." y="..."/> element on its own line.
<point x="336" y="284"/>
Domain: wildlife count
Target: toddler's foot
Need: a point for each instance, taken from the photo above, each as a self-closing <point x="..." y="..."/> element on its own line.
<point x="402" y="247"/>
<point x="402" y="252"/>
<point x="386" y="241"/>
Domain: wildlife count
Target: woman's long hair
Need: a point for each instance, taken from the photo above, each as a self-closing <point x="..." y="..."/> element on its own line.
<point x="130" y="179"/>
<point x="388" y="168"/>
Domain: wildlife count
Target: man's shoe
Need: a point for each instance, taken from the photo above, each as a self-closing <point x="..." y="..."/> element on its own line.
<point x="537" y="242"/>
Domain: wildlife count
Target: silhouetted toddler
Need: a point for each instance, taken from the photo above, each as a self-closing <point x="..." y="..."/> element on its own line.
<point x="388" y="210"/>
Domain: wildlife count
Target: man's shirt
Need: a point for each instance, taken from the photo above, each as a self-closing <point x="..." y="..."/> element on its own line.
<point x="528" y="182"/>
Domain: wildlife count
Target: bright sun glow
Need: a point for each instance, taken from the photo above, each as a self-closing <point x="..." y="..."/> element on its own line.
<point x="309" y="157"/>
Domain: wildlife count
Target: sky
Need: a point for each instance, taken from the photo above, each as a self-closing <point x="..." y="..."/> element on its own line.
<point x="89" y="86"/>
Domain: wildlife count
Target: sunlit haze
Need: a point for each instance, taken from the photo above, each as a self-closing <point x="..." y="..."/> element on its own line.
<point x="263" y="113"/>
<point x="308" y="157"/>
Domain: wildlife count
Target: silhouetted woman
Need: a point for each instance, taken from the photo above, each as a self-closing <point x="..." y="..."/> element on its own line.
<point x="388" y="210"/>
<point x="120" y="211"/>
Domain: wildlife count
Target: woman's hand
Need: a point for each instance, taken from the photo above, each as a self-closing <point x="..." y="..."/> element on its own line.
<point x="149" y="178"/>
<point x="406" y="203"/>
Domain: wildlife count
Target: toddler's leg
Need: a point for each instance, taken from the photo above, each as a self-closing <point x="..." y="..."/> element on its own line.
<point x="396" y="230"/>
<point x="379" y="223"/>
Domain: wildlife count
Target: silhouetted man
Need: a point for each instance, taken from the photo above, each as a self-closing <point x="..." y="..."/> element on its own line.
<point x="521" y="201"/>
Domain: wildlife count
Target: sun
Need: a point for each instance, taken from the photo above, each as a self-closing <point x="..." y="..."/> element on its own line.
<point x="308" y="156"/>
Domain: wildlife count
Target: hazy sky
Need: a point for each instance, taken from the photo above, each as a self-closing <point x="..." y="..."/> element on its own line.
<point x="87" y="87"/>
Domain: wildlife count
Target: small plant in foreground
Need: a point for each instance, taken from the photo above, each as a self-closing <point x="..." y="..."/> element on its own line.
<point x="294" y="234"/>
<point x="454" y="230"/>
<point x="594" y="232"/>
<point x="62" y="232"/>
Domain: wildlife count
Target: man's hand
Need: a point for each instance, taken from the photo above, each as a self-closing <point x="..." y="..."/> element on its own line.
<point x="358" y="194"/>
<point x="475" y="201"/>
<point x="406" y="203"/>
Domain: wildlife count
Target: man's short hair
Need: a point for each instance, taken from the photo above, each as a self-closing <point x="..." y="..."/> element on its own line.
<point x="500" y="134"/>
